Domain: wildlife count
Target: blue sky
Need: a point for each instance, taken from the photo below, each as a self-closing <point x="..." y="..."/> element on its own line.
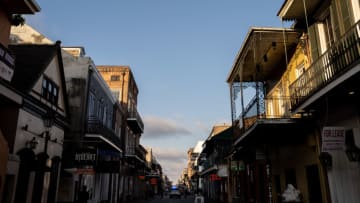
<point x="180" y="52"/>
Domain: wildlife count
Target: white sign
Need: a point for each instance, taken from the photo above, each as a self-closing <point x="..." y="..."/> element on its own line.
<point x="6" y="72"/>
<point x="333" y="139"/>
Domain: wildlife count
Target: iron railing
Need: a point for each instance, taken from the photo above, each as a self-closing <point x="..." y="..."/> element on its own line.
<point x="329" y="66"/>
<point x="134" y="115"/>
<point x="265" y="108"/>
<point x="95" y="126"/>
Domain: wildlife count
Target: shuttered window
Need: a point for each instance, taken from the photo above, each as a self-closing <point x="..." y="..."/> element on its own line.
<point x="342" y="16"/>
<point x="346" y="14"/>
<point x="314" y="45"/>
<point x="335" y="21"/>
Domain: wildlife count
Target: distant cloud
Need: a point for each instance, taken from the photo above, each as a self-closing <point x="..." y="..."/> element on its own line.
<point x="206" y="127"/>
<point x="160" y="127"/>
<point x="203" y="127"/>
<point x="172" y="161"/>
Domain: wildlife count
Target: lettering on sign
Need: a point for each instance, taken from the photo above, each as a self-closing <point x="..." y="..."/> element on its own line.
<point x="85" y="157"/>
<point x="333" y="139"/>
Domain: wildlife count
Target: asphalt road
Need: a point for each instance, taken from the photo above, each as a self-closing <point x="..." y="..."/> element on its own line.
<point x="166" y="199"/>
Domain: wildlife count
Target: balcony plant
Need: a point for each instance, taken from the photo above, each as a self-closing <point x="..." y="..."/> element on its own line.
<point x="17" y="19"/>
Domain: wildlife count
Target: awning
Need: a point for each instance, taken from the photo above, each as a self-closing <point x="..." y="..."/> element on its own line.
<point x="134" y="158"/>
<point x="295" y="9"/>
<point x="208" y="170"/>
<point x="98" y="136"/>
<point x="271" y="131"/>
<point x="263" y="51"/>
<point x="83" y="171"/>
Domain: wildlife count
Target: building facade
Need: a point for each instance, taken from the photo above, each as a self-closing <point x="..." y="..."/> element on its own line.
<point x="92" y="147"/>
<point x="327" y="89"/>
<point x="215" y="173"/>
<point x="122" y="84"/>
<point x="35" y="127"/>
<point x="7" y="65"/>
<point x="295" y="106"/>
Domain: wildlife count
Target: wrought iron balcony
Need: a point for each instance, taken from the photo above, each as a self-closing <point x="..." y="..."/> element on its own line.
<point x="135" y="122"/>
<point x="95" y="126"/>
<point x="336" y="61"/>
<point x="264" y="108"/>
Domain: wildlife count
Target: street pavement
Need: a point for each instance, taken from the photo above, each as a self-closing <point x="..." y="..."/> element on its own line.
<point x="166" y="199"/>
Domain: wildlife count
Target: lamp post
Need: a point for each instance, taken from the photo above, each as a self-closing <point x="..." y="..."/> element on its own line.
<point x="48" y="120"/>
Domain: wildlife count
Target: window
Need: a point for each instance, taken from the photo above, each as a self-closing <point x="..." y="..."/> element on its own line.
<point x="115" y="78"/>
<point x="92" y="103"/>
<point x="104" y="116"/>
<point x="300" y="69"/>
<point x="329" y="36"/>
<point x="50" y="91"/>
<point x="326" y="32"/>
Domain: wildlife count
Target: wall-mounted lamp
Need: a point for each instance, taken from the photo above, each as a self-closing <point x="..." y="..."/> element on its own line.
<point x="32" y="144"/>
<point x="353" y="153"/>
<point x="48" y="120"/>
<point x="25" y="127"/>
<point x="326" y="159"/>
<point x="265" y="58"/>
<point x="273" y="44"/>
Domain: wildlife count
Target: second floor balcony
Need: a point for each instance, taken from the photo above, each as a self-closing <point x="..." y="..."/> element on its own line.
<point x="135" y="122"/>
<point x="261" y="109"/>
<point x="95" y="127"/>
<point x="337" y="64"/>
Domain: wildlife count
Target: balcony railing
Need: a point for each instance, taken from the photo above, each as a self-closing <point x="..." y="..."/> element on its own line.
<point x="95" y="126"/>
<point x="265" y="108"/>
<point x="135" y="122"/>
<point x="329" y="66"/>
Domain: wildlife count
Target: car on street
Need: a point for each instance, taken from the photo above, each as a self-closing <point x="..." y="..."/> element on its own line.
<point x="174" y="192"/>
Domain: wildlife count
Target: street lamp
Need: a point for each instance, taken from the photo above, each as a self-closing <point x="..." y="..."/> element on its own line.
<point x="353" y="153"/>
<point x="48" y="120"/>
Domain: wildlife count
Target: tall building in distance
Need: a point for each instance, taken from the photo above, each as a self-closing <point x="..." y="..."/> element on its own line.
<point x="122" y="84"/>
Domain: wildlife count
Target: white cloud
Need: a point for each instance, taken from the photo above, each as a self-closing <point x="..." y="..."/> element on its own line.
<point x="206" y="128"/>
<point x="172" y="161"/>
<point x="159" y="127"/>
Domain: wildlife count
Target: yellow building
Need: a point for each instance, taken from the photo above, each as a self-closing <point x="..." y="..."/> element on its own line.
<point x="274" y="146"/>
<point x="291" y="94"/>
<point x="328" y="88"/>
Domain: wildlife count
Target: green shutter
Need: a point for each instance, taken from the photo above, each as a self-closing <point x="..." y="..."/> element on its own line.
<point x="335" y="21"/>
<point x="314" y="45"/>
<point x="346" y="14"/>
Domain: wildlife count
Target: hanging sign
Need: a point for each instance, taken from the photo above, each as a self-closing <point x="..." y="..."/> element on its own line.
<point x="333" y="139"/>
<point x="214" y="177"/>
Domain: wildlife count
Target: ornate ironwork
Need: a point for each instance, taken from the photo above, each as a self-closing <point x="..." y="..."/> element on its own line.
<point x="95" y="126"/>
<point x="329" y="66"/>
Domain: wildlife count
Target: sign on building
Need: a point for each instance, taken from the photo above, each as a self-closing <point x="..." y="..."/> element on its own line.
<point x="7" y="64"/>
<point x="333" y="139"/>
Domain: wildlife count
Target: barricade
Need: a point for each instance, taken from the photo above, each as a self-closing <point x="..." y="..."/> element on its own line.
<point x="199" y="199"/>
